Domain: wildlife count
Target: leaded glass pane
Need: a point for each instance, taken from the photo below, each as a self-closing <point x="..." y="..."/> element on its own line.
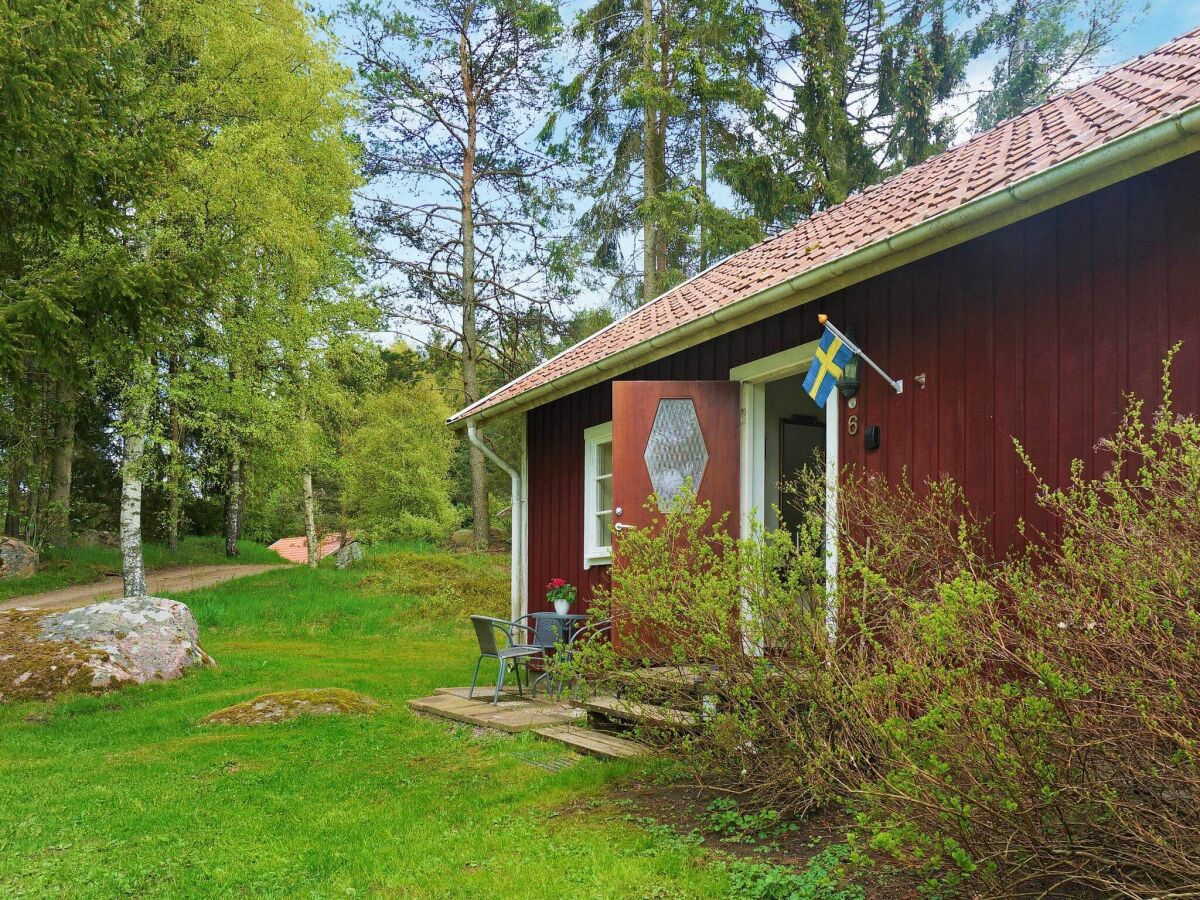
<point x="675" y="450"/>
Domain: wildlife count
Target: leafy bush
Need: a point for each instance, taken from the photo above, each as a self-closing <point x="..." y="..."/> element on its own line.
<point x="397" y="465"/>
<point x="1028" y="725"/>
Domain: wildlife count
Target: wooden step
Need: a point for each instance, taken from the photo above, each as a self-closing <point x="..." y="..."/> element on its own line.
<point x="510" y="716"/>
<point x="641" y="713"/>
<point x="593" y="743"/>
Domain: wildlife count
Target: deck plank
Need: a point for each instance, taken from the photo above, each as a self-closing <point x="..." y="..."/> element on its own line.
<point x="510" y="716"/>
<point x="592" y="743"/>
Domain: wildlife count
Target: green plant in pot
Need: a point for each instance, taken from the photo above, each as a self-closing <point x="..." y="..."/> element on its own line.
<point x="561" y="594"/>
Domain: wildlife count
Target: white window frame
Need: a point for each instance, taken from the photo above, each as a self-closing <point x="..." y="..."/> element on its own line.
<point x="754" y="376"/>
<point x="593" y="439"/>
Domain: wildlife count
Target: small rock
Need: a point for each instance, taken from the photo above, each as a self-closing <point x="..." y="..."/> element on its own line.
<point x="17" y="558"/>
<point x="348" y="554"/>
<point x="285" y="706"/>
<point x="94" y="537"/>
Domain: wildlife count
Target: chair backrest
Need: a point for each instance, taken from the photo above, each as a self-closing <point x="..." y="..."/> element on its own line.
<point x="547" y="629"/>
<point x="487" y="629"/>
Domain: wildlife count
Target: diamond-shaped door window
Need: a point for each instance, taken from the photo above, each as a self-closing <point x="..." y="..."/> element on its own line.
<point x="675" y="450"/>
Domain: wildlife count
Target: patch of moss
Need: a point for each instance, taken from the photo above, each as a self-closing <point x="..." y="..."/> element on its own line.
<point x="284" y="706"/>
<point x="32" y="668"/>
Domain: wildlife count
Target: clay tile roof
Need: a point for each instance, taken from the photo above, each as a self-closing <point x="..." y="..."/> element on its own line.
<point x="295" y="549"/>
<point x="1141" y="92"/>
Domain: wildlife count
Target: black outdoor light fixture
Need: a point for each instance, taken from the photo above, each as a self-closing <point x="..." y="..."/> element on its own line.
<point x="847" y="385"/>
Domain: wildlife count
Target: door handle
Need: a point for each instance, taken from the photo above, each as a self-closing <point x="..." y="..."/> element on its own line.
<point x="621" y="526"/>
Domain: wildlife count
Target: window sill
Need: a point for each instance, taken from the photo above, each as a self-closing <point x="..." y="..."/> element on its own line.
<point x="598" y="557"/>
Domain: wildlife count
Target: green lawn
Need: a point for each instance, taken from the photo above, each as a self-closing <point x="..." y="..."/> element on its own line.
<point x="63" y="567"/>
<point x="127" y="795"/>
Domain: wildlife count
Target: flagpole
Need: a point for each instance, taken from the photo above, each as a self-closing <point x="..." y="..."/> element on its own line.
<point x="896" y="383"/>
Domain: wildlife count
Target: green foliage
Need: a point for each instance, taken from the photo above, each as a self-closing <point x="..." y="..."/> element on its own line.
<point x="1041" y="44"/>
<point x="726" y="818"/>
<point x="821" y="879"/>
<point x="396" y="460"/>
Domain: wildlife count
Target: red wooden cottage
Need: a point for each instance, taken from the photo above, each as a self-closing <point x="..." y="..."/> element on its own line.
<point x="1018" y="284"/>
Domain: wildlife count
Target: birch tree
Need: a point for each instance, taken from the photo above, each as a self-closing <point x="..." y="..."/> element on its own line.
<point x="463" y="197"/>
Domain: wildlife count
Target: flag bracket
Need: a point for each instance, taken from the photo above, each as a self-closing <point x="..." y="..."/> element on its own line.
<point x="896" y="383"/>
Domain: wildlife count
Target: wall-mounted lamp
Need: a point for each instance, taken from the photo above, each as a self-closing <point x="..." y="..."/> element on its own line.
<point x="847" y="385"/>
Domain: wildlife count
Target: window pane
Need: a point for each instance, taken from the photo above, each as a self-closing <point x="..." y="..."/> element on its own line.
<point x="675" y="451"/>
<point x="604" y="459"/>
<point x="603" y="537"/>
<point x="603" y="494"/>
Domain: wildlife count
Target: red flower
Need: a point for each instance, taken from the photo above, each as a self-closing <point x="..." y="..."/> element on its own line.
<point x="556" y="583"/>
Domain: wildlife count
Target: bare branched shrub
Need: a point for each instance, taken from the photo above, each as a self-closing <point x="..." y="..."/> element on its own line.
<point x="1023" y="727"/>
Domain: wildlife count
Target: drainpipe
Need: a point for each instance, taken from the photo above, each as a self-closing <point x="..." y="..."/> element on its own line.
<point x="516" y="538"/>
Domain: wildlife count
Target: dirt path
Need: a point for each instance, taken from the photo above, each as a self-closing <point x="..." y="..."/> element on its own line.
<point x="164" y="581"/>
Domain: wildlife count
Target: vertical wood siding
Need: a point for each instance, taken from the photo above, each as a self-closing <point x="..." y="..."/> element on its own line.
<point x="1033" y="332"/>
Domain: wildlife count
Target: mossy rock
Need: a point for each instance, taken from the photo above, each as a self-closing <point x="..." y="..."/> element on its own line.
<point x="96" y="648"/>
<point x="284" y="706"/>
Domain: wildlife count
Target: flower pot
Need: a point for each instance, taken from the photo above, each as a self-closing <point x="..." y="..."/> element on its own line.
<point x="562" y="607"/>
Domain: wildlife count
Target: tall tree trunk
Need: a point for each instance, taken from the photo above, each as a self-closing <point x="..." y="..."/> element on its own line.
<point x="470" y="348"/>
<point x="133" y="565"/>
<point x="649" y="165"/>
<point x="18" y="458"/>
<point x="233" y="504"/>
<point x="703" y="180"/>
<point x="12" y="514"/>
<point x="310" y="520"/>
<point x="62" y="463"/>
<point x="175" y="472"/>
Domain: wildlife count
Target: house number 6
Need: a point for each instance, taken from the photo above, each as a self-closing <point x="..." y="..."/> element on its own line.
<point x="852" y="425"/>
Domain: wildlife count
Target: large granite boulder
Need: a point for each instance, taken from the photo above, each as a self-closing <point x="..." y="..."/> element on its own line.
<point x="96" y="648"/>
<point x="17" y="558"/>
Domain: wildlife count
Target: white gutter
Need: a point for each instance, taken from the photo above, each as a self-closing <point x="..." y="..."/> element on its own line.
<point x="516" y="538"/>
<point x="1124" y="157"/>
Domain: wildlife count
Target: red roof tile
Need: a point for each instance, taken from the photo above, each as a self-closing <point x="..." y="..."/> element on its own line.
<point x="1141" y="92"/>
<point x="295" y="549"/>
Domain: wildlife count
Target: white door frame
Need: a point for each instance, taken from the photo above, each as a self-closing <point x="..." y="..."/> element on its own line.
<point x="754" y="377"/>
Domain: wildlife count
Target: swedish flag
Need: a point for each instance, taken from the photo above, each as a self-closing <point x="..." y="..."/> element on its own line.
<point x="832" y="356"/>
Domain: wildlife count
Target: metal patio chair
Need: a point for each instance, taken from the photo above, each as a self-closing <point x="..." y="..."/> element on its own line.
<point x="547" y="631"/>
<point x="600" y="630"/>
<point x="488" y="631"/>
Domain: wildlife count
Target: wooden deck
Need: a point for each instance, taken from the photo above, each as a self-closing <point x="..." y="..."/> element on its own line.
<point x="547" y="719"/>
<point x="511" y="714"/>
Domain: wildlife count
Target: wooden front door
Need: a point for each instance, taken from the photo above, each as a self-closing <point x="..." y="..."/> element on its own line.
<point x="664" y="433"/>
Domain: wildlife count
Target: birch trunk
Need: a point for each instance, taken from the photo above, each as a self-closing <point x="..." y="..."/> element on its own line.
<point x="233" y="505"/>
<point x="310" y="521"/>
<point x="133" y="565"/>
<point x="470" y="348"/>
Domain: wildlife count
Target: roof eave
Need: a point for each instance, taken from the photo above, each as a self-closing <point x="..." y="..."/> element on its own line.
<point x="1131" y="154"/>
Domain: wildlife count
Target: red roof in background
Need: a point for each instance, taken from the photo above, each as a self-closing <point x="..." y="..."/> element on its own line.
<point x="1141" y="92"/>
<point x="295" y="549"/>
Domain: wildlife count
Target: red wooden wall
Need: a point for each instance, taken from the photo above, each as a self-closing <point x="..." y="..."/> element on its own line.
<point x="1034" y="331"/>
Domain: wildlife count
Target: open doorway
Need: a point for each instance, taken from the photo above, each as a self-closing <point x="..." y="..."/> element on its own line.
<point x="782" y="430"/>
<point x="794" y="437"/>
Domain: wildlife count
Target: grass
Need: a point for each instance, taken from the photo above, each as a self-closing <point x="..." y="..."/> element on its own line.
<point x="63" y="567"/>
<point x="128" y="794"/>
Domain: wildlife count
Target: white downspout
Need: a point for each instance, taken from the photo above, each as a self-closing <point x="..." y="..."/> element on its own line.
<point x="517" y="537"/>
